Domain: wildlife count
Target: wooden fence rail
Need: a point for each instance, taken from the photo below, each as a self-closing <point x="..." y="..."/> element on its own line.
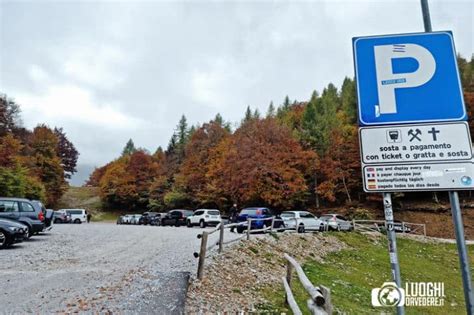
<point x="320" y="297"/>
<point x="378" y="225"/>
<point x="204" y="249"/>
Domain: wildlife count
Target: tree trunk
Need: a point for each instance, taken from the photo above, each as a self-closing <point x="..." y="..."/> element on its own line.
<point x="345" y="188"/>
<point x="316" y="190"/>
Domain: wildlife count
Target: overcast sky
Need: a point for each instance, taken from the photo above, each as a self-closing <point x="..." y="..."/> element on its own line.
<point x="108" y="71"/>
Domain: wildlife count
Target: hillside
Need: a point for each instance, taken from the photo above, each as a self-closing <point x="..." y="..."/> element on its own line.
<point x="350" y="264"/>
<point x="81" y="197"/>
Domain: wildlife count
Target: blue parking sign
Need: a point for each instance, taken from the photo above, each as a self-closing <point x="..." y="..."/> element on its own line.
<point x="407" y="78"/>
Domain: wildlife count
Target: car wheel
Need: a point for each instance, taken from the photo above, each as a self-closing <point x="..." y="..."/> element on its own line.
<point x="77" y="221"/>
<point x="56" y="220"/>
<point x="321" y="228"/>
<point x="301" y="228"/>
<point x="188" y="224"/>
<point x="29" y="232"/>
<point x="3" y="240"/>
<point x="240" y="229"/>
<point x="202" y="224"/>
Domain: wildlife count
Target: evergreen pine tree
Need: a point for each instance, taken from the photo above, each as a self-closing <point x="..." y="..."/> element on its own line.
<point x="271" y="110"/>
<point x="129" y="148"/>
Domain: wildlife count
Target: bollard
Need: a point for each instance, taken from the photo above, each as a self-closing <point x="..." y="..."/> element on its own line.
<point x="221" y="238"/>
<point x="249" y="225"/>
<point x="202" y="256"/>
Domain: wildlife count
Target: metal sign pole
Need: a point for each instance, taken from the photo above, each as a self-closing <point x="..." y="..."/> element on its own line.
<point x="392" y="245"/>
<point x="455" y="209"/>
<point x="463" y="259"/>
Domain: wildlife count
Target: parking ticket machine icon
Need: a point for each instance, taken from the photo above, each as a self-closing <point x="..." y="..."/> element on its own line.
<point x="394" y="136"/>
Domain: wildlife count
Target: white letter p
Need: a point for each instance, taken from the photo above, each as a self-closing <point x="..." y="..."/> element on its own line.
<point x="387" y="81"/>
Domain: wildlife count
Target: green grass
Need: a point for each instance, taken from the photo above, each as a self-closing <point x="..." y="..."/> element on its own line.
<point x="352" y="273"/>
<point x="104" y="216"/>
<point x="81" y="197"/>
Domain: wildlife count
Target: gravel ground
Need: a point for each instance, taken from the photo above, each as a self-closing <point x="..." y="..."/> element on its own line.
<point x="100" y="267"/>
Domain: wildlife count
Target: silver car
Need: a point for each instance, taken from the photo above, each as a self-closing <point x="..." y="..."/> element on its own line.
<point x="337" y="222"/>
<point x="135" y="218"/>
<point x="302" y="221"/>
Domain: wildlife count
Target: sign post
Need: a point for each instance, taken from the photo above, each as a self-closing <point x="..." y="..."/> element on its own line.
<point x="455" y="210"/>
<point x="413" y="132"/>
<point x="392" y="244"/>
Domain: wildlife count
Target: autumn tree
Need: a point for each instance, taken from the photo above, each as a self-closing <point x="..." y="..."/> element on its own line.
<point x="67" y="153"/>
<point x="260" y="164"/>
<point x="46" y="164"/>
<point x="10" y="151"/>
<point x="192" y="175"/>
<point x="96" y="175"/>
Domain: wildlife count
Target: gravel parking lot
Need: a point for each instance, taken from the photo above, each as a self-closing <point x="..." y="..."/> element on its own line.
<point x="100" y="267"/>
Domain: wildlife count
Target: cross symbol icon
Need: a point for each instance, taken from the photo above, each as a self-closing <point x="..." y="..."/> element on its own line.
<point x="434" y="133"/>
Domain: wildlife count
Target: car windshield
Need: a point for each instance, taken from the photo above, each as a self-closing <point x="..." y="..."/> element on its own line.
<point x="214" y="212"/>
<point x="287" y="215"/>
<point x="326" y="217"/>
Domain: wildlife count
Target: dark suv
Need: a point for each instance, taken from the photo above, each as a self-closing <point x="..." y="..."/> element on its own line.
<point x="11" y="232"/>
<point x="23" y="211"/>
<point x="176" y="217"/>
<point x="146" y="218"/>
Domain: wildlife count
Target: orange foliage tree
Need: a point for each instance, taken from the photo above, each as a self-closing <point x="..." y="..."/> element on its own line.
<point x="261" y="163"/>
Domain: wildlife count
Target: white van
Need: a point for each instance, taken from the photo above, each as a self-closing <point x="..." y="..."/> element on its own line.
<point x="77" y="215"/>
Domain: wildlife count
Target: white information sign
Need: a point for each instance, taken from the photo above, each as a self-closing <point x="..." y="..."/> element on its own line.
<point x="443" y="142"/>
<point x="421" y="177"/>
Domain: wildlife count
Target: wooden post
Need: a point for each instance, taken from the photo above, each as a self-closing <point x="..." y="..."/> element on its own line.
<point x="249" y="225"/>
<point x="221" y="238"/>
<point x="202" y="255"/>
<point x="403" y="227"/>
<point x="273" y="221"/>
<point x="353" y="224"/>
<point x="424" y="229"/>
<point x="289" y="270"/>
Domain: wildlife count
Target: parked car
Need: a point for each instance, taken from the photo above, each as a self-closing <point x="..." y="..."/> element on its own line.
<point x="146" y="217"/>
<point x="337" y="222"/>
<point x="204" y="217"/>
<point x="12" y="232"/>
<point x="78" y="216"/>
<point x="302" y="221"/>
<point x="61" y="216"/>
<point x="48" y="214"/>
<point x="156" y="219"/>
<point x="127" y="219"/>
<point x="135" y="218"/>
<point x="257" y="213"/>
<point x="176" y="217"/>
<point x="120" y="219"/>
<point x="23" y="211"/>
